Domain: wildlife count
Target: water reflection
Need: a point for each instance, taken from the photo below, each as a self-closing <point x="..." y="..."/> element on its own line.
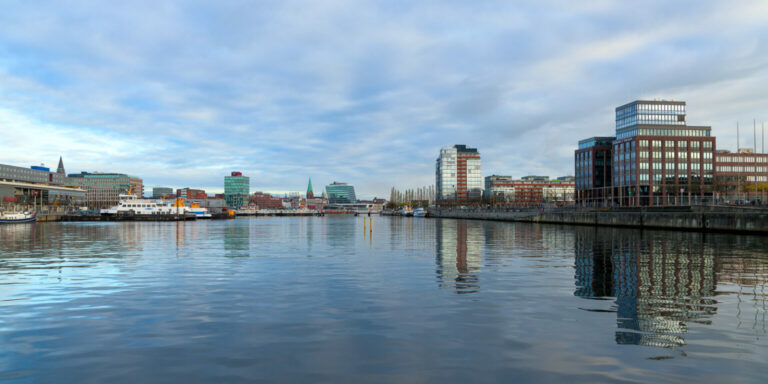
<point x="661" y="281"/>
<point x="458" y="260"/>
<point x="237" y="239"/>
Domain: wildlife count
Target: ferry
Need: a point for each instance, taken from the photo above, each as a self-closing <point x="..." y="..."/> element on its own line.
<point x="131" y="204"/>
<point x="18" y="217"/>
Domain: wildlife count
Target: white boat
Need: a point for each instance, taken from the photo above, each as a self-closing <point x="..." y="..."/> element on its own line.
<point x="201" y="213"/>
<point x="132" y="205"/>
<point x="406" y="211"/>
<point x="17" y="217"/>
<point x="420" y="212"/>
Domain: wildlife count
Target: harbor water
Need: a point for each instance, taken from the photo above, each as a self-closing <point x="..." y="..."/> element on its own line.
<point x="325" y="299"/>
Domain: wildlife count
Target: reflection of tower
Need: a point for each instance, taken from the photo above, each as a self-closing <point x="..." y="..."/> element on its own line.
<point x="459" y="254"/>
<point x="661" y="282"/>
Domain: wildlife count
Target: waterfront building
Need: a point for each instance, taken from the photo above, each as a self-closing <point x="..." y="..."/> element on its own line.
<point x="593" y="161"/>
<point x="236" y="189"/>
<point x="266" y="201"/>
<point x="340" y="193"/>
<point x="160" y="192"/>
<point x="102" y="190"/>
<point x="657" y="158"/>
<point x="741" y="176"/>
<point x="458" y="174"/>
<point x="36" y="185"/>
<point x="189" y="193"/>
<point x="529" y="190"/>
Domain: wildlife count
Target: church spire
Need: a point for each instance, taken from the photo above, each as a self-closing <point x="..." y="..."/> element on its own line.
<point x="310" y="193"/>
<point x="60" y="169"/>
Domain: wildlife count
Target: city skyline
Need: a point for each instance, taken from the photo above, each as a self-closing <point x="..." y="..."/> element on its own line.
<point x="286" y="91"/>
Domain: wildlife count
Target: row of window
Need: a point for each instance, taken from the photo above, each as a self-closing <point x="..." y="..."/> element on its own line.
<point x="738" y="168"/>
<point x="674" y="132"/>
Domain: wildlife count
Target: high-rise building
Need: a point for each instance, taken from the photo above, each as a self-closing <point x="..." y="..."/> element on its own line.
<point x="102" y="190"/>
<point x="159" y="192"/>
<point x="340" y="193"/>
<point x="657" y="159"/>
<point x="236" y="189"/>
<point x="458" y="174"/>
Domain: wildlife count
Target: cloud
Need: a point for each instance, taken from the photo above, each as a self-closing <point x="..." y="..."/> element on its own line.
<point x="182" y="93"/>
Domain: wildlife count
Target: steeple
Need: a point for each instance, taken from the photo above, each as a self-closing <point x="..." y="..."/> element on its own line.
<point x="310" y="193"/>
<point x="60" y="169"/>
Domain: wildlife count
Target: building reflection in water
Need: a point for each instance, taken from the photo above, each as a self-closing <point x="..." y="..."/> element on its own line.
<point x="237" y="238"/>
<point x="458" y="260"/>
<point x="660" y="283"/>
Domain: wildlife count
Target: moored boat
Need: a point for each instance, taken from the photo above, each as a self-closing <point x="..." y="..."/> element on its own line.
<point x="17" y="217"/>
<point x="420" y="212"/>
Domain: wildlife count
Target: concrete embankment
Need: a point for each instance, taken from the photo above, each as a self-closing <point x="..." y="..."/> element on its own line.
<point x="691" y="220"/>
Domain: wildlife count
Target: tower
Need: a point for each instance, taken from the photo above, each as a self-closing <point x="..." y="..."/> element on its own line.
<point x="310" y="193"/>
<point x="60" y="169"/>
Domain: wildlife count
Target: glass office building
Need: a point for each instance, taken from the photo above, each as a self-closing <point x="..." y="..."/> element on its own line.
<point x="236" y="190"/>
<point x="340" y="193"/>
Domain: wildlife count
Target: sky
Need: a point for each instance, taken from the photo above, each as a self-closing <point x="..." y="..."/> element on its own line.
<point x="181" y="93"/>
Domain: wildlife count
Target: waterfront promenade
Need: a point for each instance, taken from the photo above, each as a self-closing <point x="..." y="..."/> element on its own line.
<point x="692" y="218"/>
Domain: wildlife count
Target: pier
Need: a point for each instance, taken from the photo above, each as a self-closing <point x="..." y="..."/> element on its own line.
<point x="690" y="218"/>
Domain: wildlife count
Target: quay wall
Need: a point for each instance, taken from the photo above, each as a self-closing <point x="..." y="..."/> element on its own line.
<point x="710" y="221"/>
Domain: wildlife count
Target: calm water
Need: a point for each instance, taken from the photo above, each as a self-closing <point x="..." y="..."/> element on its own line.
<point x="424" y="300"/>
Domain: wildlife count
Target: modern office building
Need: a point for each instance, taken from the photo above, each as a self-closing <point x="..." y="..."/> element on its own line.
<point x="102" y="190"/>
<point x="593" y="161"/>
<point x="36" y="185"/>
<point x="529" y="191"/>
<point x="340" y="193"/>
<point x="458" y="174"/>
<point x="160" y="192"/>
<point x="741" y="176"/>
<point x="236" y="189"/>
<point x="657" y="158"/>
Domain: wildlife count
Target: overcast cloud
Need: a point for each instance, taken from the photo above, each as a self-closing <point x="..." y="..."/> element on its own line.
<point x="181" y="93"/>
